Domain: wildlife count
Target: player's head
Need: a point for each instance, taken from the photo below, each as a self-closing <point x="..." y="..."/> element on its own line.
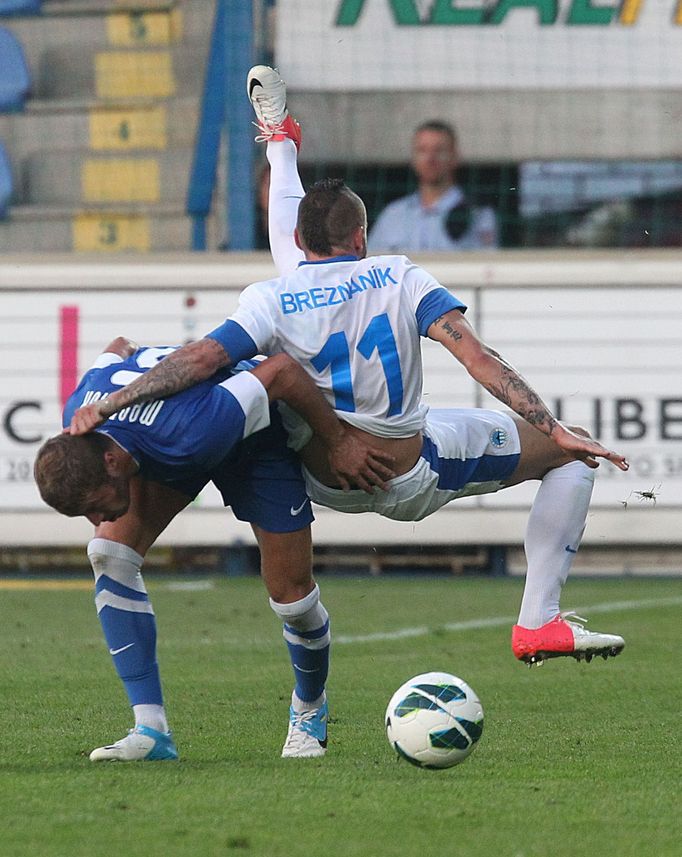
<point x="332" y="221"/>
<point x="80" y="475"/>
<point x="435" y="154"/>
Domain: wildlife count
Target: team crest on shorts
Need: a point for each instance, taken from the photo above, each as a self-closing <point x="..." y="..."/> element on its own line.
<point x="498" y="437"/>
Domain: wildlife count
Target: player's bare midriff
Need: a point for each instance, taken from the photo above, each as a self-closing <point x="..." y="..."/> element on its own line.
<point x="405" y="451"/>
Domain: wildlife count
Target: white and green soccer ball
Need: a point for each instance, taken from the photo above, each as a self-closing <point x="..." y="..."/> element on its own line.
<point x="434" y="720"/>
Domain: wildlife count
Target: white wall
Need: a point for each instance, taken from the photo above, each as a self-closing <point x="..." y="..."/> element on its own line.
<point x="597" y="334"/>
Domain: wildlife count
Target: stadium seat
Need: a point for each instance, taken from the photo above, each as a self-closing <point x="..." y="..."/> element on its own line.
<point x="15" y="79"/>
<point x="5" y="182"/>
<point x="19" y="7"/>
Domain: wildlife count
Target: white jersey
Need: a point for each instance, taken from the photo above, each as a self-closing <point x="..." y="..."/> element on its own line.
<point x="354" y="326"/>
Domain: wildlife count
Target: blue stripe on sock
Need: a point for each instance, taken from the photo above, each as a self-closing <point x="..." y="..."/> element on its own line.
<point x="311" y="667"/>
<point x="308" y="635"/>
<point x="455" y="473"/>
<point x="116" y="588"/>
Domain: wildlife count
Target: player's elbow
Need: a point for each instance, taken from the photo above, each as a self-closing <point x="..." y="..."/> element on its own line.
<point x="280" y="375"/>
<point x="122" y="346"/>
<point x="284" y="363"/>
<point x="286" y="371"/>
<point x="475" y="357"/>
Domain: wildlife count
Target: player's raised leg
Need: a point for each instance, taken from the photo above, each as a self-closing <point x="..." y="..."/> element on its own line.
<point x="553" y="534"/>
<point x="127" y="618"/>
<point x="295" y="598"/>
<point x="267" y="92"/>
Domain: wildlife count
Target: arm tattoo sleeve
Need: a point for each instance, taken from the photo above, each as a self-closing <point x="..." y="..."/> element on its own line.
<point x="174" y="373"/>
<point x="513" y="390"/>
<point x="503" y="382"/>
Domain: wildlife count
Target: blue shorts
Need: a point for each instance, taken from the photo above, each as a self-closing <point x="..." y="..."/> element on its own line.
<point x="261" y="480"/>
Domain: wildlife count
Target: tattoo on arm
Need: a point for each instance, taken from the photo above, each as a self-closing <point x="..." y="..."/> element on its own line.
<point x="173" y="374"/>
<point x="455" y="335"/>
<point x="502" y="381"/>
<point x="170" y="377"/>
<point x="515" y="392"/>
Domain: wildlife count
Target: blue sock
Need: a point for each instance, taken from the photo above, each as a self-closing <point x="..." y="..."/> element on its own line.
<point x="307" y="635"/>
<point x="309" y="653"/>
<point x="127" y="619"/>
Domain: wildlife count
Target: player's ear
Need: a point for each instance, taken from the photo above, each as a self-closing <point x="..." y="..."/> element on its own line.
<point x="111" y="463"/>
<point x="359" y="241"/>
<point x="297" y="240"/>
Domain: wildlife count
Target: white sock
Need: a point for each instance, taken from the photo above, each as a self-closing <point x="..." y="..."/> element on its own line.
<point x="300" y="706"/>
<point x="286" y="192"/>
<point x="153" y="716"/>
<point x="555" y="527"/>
<point x="307" y="614"/>
<point x="117" y="561"/>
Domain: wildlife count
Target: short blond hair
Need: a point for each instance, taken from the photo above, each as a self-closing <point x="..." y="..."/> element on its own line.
<point x="70" y="467"/>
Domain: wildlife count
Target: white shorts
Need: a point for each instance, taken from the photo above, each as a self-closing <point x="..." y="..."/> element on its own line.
<point x="465" y="451"/>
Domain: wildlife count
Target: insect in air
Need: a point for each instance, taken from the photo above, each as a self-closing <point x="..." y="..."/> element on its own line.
<point x="643" y="495"/>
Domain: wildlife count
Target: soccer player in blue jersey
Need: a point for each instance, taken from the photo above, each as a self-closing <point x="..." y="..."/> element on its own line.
<point x="142" y="467"/>
<point x="354" y="323"/>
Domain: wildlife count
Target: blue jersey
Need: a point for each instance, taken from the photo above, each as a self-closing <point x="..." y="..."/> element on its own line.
<point x="210" y="432"/>
<point x="193" y="430"/>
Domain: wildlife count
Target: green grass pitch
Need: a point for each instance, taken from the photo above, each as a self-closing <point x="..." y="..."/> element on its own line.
<point x="574" y="759"/>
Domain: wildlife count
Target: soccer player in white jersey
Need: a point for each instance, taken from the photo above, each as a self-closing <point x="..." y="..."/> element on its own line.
<point x="354" y="324"/>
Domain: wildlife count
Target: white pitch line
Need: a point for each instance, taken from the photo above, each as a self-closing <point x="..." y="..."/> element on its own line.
<point x="496" y="621"/>
<point x="189" y="585"/>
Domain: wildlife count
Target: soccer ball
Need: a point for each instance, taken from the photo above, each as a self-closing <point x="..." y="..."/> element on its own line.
<point x="434" y="720"/>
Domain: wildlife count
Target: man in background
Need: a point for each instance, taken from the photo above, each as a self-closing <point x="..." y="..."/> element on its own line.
<point x="437" y="216"/>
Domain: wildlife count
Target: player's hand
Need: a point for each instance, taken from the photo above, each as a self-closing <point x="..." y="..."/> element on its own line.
<point x="585" y="449"/>
<point x="87" y="418"/>
<point x="355" y="463"/>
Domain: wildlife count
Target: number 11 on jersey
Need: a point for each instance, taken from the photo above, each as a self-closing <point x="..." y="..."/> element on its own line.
<point x="378" y="336"/>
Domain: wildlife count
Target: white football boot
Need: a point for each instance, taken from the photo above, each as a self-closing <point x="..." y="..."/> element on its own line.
<point x="563" y="637"/>
<point x="307" y="736"/>
<point x="268" y="95"/>
<point x="140" y="744"/>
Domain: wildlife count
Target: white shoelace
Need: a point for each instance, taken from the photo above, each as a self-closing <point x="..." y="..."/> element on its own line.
<point x="576" y="622"/>
<point x="573" y="618"/>
<point x="267" y="132"/>
<point x="298" y="737"/>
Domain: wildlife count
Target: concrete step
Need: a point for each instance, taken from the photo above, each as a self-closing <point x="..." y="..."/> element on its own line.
<point x="69" y="71"/>
<point x="53" y="43"/>
<point x="104" y="7"/>
<point x="94" y="32"/>
<point x="119" y="127"/>
<point x="197" y="15"/>
<point x="37" y="35"/>
<point x="197" y="20"/>
<point x="78" y="177"/>
<point x="123" y="229"/>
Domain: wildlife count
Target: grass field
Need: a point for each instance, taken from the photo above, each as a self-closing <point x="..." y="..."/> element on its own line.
<point x="575" y="759"/>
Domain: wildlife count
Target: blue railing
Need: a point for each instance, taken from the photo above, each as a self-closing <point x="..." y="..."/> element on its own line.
<point x="225" y="108"/>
